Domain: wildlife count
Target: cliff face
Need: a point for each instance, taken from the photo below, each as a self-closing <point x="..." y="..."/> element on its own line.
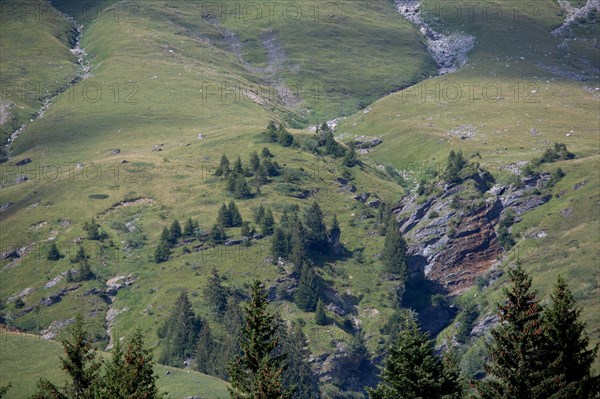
<point x="451" y="245"/>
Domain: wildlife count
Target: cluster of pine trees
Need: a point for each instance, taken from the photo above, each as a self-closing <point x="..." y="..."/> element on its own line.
<point x="128" y="375"/>
<point x="172" y="235"/>
<point x="261" y="168"/>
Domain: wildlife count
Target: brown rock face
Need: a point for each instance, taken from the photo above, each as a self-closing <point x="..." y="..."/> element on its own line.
<point x="469" y="253"/>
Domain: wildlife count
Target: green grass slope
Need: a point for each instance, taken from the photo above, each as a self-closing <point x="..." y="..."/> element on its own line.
<point x="27" y="357"/>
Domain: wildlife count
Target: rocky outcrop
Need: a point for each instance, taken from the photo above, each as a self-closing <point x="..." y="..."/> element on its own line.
<point x="452" y="247"/>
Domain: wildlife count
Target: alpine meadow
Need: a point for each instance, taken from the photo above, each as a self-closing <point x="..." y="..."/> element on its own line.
<point x="299" y="199"/>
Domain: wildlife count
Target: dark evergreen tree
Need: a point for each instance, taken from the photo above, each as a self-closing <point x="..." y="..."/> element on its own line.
<point x="518" y="353"/>
<point x="279" y="245"/>
<point x="215" y="293"/>
<point x="92" y="228"/>
<point x="267" y="223"/>
<point x="321" y="318"/>
<point x="224" y="217"/>
<point x="79" y="363"/>
<point x="394" y="250"/>
<point x="256" y="372"/>
<point x="350" y="159"/>
<point x="189" y="230"/>
<point x="163" y="250"/>
<point x="284" y="137"/>
<point x="205" y="351"/>
<point x="130" y="374"/>
<point x="80" y="256"/>
<point x="247" y="231"/>
<point x="4" y="389"/>
<point x="234" y="214"/>
<point x="271" y="132"/>
<point x="569" y="370"/>
<point x="298" y="375"/>
<point x="241" y="189"/>
<point x="296" y="247"/>
<point x="218" y="235"/>
<point x="179" y="333"/>
<point x="412" y="371"/>
<point x="223" y="169"/>
<point x="455" y="164"/>
<point x="238" y="167"/>
<point x="308" y="291"/>
<point x="259" y="215"/>
<point x="254" y="161"/>
<point x="266" y="153"/>
<point x="53" y="252"/>
<point x="316" y="231"/>
<point x="335" y="235"/>
<point x="175" y="232"/>
<point x="84" y="272"/>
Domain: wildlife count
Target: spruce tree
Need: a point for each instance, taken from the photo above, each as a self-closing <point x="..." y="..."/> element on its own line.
<point x="247" y="231"/>
<point x="224" y="217"/>
<point x="316" y="232"/>
<point x="335" y="236"/>
<point x="518" y="353"/>
<point x="234" y="214"/>
<point x="189" y="230"/>
<point x="259" y="215"/>
<point x="308" y="291"/>
<point x="254" y="161"/>
<point x="271" y="132"/>
<point x="412" y="370"/>
<point x="80" y="256"/>
<point x="350" y="159"/>
<point x="223" y="169"/>
<point x="162" y="252"/>
<point x="569" y="367"/>
<point x="266" y="153"/>
<point x="279" y="245"/>
<point x="394" y="250"/>
<point x="179" y="332"/>
<point x="238" y="167"/>
<point x="298" y="374"/>
<point x="84" y="272"/>
<point x="241" y="189"/>
<point x="53" y="252"/>
<point x="215" y="293"/>
<point x="92" y="228"/>
<point x="218" y="235"/>
<point x="130" y="374"/>
<point x="175" y="232"/>
<point x="321" y="318"/>
<point x="267" y="223"/>
<point x="256" y="372"/>
<point x="284" y="137"/>
<point x="297" y="251"/>
<point x="79" y="363"/>
<point x="205" y="351"/>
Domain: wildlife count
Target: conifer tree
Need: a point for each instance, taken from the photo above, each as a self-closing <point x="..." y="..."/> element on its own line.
<point x="79" y="363"/>
<point x="189" y="230"/>
<point x="223" y="169"/>
<point x="308" y="291"/>
<point x="518" y="354"/>
<point x="247" y="231"/>
<point x="254" y="161"/>
<point x="297" y="252"/>
<point x="350" y="159"/>
<point x="163" y="250"/>
<point x="224" y="217"/>
<point x="256" y="372"/>
<point x="394" y="250"/>
<point x="238" y="167"/>
<point x="298" y="375"/>
<point x="205" y="351"/>
<point x="53" y="252"/>
<point x="260" y="213"/>
<point x="175" y="232"/>
<point x="267" y="223"/>
<point x="92" y="228"/>
<point x="179" y="332"/>
<point x="218" y="235"/>
<point x="279" y="245"/>
<point x="130" y="374"/>
<point x="271" y="132"/>
<point x="215" y="293"/>
<point x="240" y="188"/>
<point x="84" y="272"/>
<point x="570" y="359"/>
<point x="411" y="369"/>
<point x="316" y="232"/>
<point x="266" y="153"/>
<point x="80" y="256"/>
<point x="334" y="236"/>
<point x="234" y="214"/>
<point x="321" y="318"/>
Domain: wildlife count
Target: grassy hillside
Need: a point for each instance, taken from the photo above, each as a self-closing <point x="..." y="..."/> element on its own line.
<point x="164" y="72"/>
<point x="27" y="354"/>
